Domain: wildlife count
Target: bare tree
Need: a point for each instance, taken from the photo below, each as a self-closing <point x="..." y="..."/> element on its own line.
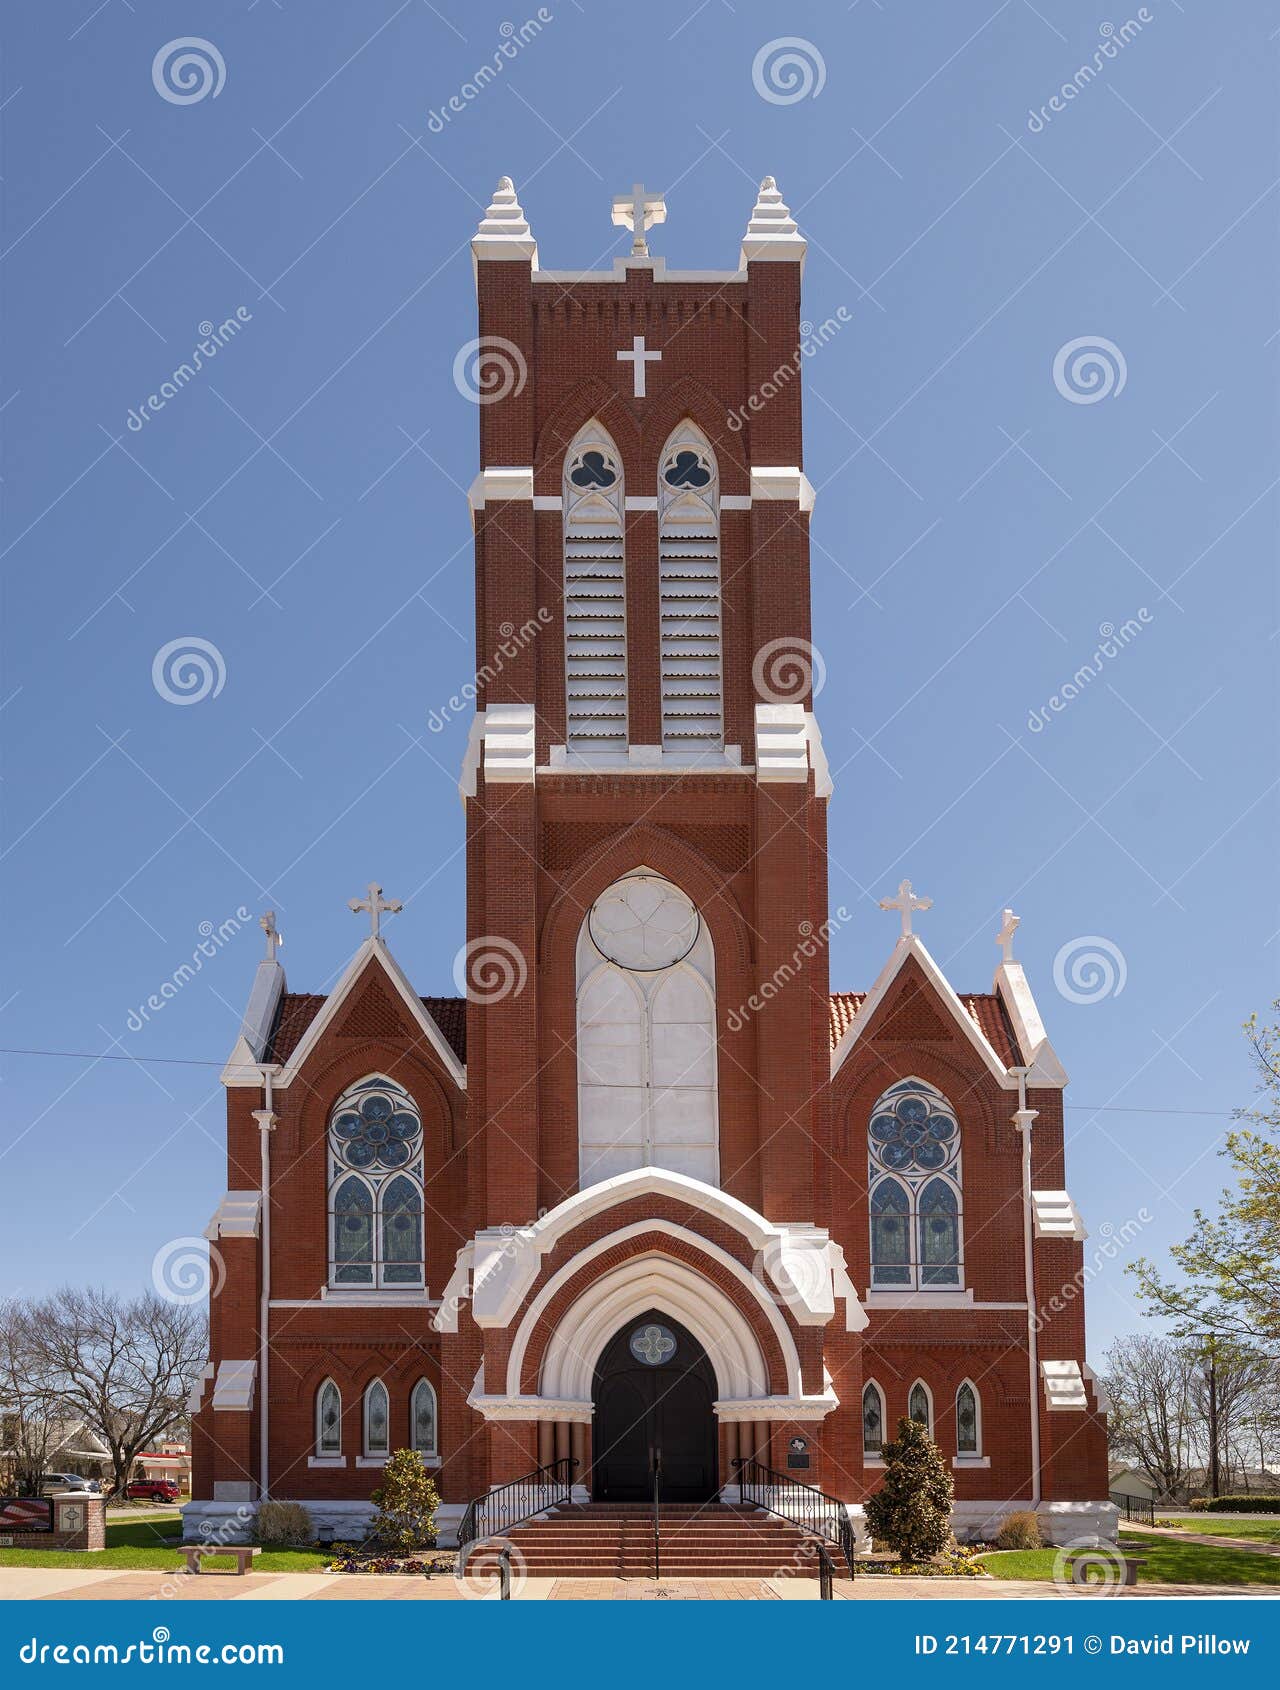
<point x="1150" y="1382"/>
<point x="124" y="1368"/>
<point x="28" y="1400"/>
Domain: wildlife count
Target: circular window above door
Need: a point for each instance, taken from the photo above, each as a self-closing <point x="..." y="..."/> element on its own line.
<point x="644" y="923"/>
<point x="652" y="1344"/>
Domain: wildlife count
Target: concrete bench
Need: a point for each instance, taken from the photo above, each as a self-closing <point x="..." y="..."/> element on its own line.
<point x="1080" y="1564"/>
<point x="197" y="1552"/>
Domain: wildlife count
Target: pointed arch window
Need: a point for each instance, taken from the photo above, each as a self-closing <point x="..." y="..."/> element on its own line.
<point x="377" y="1421"/>
<point x="691" y="659"/>
<point x="872" y="1421"/>
<point x="968" y="1421"/>
<point x="914" y="1176"/>
<point x="328" y="1420"/>
<point x="595" y="594"/>
<point x="647" y="1074"/>
<point x="375" y="1187"/>
<point x="423" y="1431"/>
<point x="920" y="1405"/>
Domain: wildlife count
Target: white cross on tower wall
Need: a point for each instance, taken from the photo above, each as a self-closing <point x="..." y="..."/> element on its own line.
<point x="639" y="211"/>
<point x="375" y="904"/>
<point x="638" y="358"/>
<point x="906" y="903"/>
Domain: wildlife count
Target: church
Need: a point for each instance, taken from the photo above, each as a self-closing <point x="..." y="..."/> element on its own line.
<point x="649" y="1211"/>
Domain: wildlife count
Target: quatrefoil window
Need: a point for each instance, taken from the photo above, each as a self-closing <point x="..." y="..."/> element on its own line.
<point x="653" y="1344"/>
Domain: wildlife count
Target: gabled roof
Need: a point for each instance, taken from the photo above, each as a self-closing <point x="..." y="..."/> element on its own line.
<point x="982" y="1018"/>
<point x="299" y="1009"/>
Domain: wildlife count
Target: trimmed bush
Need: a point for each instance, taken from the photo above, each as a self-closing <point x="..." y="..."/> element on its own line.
<point x="406" y="1501"/>
<point x="284" y="1522"/>
<point x="911" y="1511"/>
<point x="1020" y="1531"/>
<point x="1252" y="1504"/>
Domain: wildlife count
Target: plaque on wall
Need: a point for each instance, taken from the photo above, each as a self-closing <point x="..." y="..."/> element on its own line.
<point x="798" y="1453"/>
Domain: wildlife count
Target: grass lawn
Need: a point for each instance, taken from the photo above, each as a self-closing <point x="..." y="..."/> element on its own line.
<point x="1169" y="1561"/>
<point x="139" y="1544"/>
<point x="1263" y="1530"/>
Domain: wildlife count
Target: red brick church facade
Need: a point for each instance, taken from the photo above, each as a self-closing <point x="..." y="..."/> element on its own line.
<point x="650" y="1135"/>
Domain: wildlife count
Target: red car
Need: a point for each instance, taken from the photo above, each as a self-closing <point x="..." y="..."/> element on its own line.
<point x="152" y="1490"/>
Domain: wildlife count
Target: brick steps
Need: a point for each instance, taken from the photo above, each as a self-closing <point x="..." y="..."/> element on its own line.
<point x="615" y="1540"/>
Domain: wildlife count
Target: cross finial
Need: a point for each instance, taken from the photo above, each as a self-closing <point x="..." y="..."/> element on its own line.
<point x="906" y="903"/>
<point x="375" y="904"/>
<point x="639" y="211"/>
<point x="267" y="923"/>
<point x="1004" y="938"/>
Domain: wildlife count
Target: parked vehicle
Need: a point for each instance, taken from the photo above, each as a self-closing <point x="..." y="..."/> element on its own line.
<point x="63" y="1484"/>
<point x="151" y="1490"/>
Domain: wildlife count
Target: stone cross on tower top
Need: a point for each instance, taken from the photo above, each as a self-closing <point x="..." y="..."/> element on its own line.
<point x="906" y="903"/>
<point x="1004" y="938"/>
<point x="267" y="923"/>
<point x="639" y="211"/>
<point x="375" y="904"/>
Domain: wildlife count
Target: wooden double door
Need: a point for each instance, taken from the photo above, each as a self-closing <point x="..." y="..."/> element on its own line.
<point x="653" y="1394"/>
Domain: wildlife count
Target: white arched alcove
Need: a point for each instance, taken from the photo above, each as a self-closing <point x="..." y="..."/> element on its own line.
<point x="653" y="1281"/>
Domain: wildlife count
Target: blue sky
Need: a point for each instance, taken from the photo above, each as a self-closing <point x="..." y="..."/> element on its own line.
<point x="300" y="507"/>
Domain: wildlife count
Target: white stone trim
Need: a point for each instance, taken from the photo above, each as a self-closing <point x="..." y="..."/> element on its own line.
<point x="509" y="732"/>
<point x="1056" y="1216"/>
<point x="956" y="1299"/>
<point x="520" y="1343"/>
<point x="971" y="1461"/>
<point x="1076" y="1523"/>
<point x="326" y="1461"/>
<point x="471" y="759"/>
<point x="499" y="482"/>
<point x="238" y="1215"/>
<point x="377" y="950"/>
<point x="655" y="264"/>
<point x="735" y="1411"/>
<point x="786" y="483"/>
<point x="339" y="1297"/>
<point x="1014" y="990"/>
<point x="1063" y="1386"/>
<point x="573" y="1409"/>
<point x="1100" y="1393"/>
<point x="243" y="1067"/>
<point x="372" y="1460"/>
<point x="233" y="1387"/>
<point x="912" y="946"/>
<point x="645" y="760"/>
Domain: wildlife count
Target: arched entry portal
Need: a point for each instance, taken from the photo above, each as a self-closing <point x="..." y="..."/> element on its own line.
<point x="653" y="1391"/>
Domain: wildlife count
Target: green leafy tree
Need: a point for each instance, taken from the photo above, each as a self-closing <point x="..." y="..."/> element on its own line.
<point x="1228" y="1280"/>
<point x="911" y="1511"/>
<point x="406" y="1501"/>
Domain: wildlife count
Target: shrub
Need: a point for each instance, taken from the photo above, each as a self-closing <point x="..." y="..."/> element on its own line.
<point x="1250" y="1504"/>
<point x="284" y="1522"/>
<point x="1199" y="1505"/>
<point x="406" y="1501"/>
<point x="1020" y="1531"/>
<point x="911" y="1511"/>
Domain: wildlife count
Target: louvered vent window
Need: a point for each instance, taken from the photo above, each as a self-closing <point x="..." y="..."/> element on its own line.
<point x="595" y="596"/>
<point x="689" y="595"/>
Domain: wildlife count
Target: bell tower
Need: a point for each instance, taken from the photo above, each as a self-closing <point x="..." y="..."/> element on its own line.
<point x="644" y="785"/>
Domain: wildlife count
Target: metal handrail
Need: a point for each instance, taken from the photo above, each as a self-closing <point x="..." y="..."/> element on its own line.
<point x="809" y="1508"/>
<point x="1136" y="1507"/>
<point x="657" y="1527"/>
<point x="519" y="1500"/>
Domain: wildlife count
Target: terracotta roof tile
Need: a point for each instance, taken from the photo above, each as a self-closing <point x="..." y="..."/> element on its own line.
<point x="299" y="1009"/>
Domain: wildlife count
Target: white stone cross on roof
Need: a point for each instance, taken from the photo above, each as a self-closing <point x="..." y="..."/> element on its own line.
<point x="375" y="904"/>
<point x="906" y="903"/>
<point x="639" y="211"/>
<point x="267" y="923"/>
<point x="1004" y="938"/>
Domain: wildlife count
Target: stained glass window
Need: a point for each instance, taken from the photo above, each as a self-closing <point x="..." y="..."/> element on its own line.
<point x="422" y="1418"/>
<point x="918" y="1406"/>
<point x="913" y="1168"/>
<point x="328" y="1420"/>
<point x="375" y="1186"/>
<point x="872" y="1421"/>
<point x="890" y="1234"/>
<point x="966" y="1420"/>
<point x="377" y="1419"/>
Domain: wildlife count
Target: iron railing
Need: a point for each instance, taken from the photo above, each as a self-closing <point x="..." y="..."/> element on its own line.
<point x="657" y="1526"/>
<point x="1135" y="1507"/>
<point x="510" y="1504"/>
<point x="804" y="1505"/>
